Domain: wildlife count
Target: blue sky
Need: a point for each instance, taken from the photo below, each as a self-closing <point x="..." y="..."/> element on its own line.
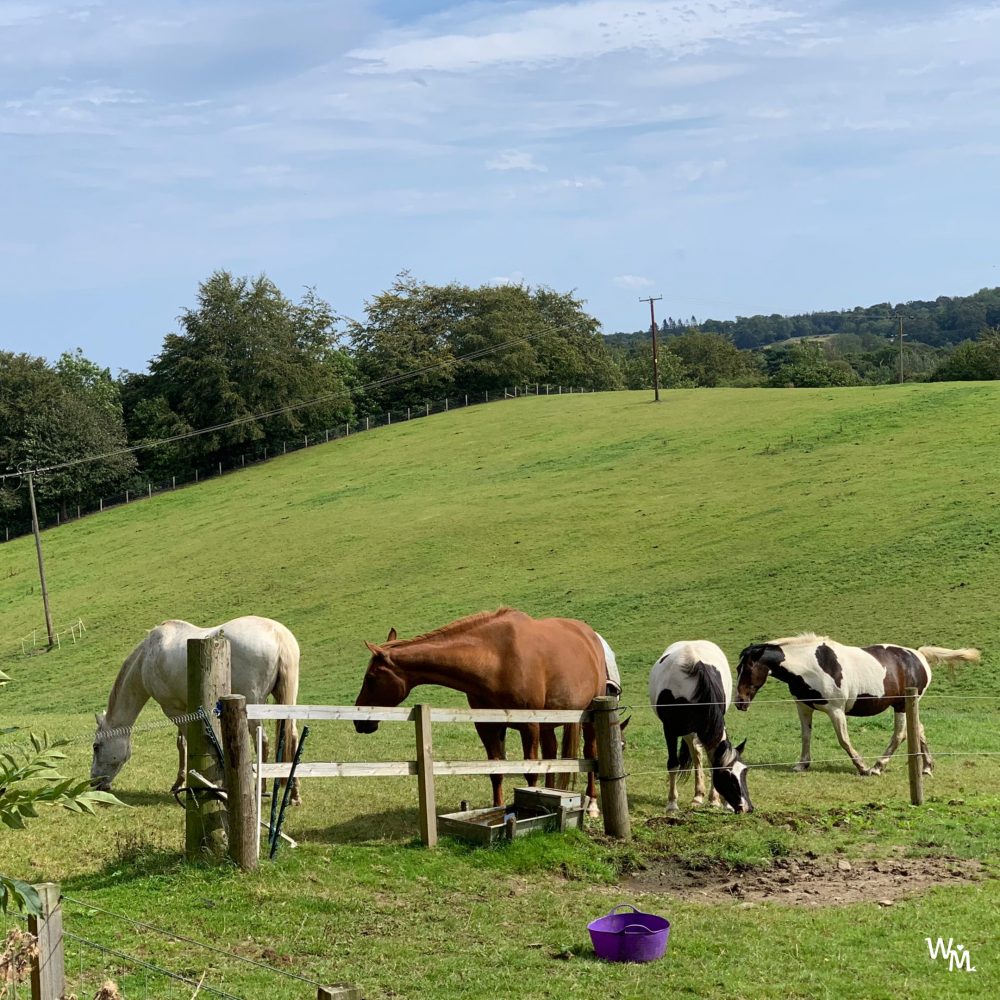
<point x="735" y="156"/>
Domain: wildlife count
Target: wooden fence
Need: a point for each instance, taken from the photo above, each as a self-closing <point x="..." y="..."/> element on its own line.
<point x="603" y="713"/>
<point x="224" y="784"/>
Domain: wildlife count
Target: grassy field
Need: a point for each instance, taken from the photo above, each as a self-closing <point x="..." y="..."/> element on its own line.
<point x="867" y="514"/>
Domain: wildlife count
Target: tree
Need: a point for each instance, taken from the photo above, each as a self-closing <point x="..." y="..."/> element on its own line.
<point x="402" y="348"/>
<point x="804" y="364"/>
<point x="711" y="359"/>
<point x="973" y="360"/>
<point x="51" y="416"/>
<point x="243" y="351"/>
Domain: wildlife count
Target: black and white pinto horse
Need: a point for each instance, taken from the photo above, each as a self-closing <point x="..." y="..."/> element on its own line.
<point x="842" y="681"/>
<point x="690" y="688"/>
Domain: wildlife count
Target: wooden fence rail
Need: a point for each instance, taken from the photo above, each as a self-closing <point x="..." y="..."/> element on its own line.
<point x="425" y="768"/>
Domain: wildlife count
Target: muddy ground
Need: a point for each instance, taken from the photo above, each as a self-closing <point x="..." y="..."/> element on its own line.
<point x="808" y="881"/>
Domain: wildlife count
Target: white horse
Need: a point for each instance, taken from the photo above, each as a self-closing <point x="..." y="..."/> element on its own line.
<point x="690" y="689"/>
<point x="264" y="657"/>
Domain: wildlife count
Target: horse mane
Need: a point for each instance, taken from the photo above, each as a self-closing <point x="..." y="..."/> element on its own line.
<point x="461" y="625"/>
<point x="123" y="673"/>
<point x="800" y="638"/>
<point x="708" y="694"/>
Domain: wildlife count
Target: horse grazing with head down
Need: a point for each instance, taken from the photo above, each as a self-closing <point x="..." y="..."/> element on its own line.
<point x="264" y="660"/>
<point x="691" y="689"/>
<point x="500" y="659"/>
<point x="845" y="680"/>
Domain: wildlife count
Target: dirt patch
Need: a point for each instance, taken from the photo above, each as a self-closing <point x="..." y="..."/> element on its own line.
<point x="808" y="882"/>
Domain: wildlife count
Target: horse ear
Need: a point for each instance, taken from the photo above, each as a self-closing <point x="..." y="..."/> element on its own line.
<point x="391" y="637"/>
<point x="99" y="716"/>
<point x="628" y="719"/>
<point x="375" y="650"/>
<point x="739" y="749"/>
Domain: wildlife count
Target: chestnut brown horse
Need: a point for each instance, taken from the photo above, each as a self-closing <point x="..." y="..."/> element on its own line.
<point x="499" y="659"/>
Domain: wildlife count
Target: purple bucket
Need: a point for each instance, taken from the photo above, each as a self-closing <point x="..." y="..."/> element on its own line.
<point x="629" y="937"/>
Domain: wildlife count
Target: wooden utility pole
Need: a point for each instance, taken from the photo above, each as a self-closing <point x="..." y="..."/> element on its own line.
<point x="611" y="768"/>
<point x="41" y="561"/>
<point x="652" y="330"/>
<point x="901" y="349"/>
<point x="208" y="679"/>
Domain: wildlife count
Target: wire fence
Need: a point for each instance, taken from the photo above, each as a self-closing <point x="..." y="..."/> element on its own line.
<point x="256" y="454"/>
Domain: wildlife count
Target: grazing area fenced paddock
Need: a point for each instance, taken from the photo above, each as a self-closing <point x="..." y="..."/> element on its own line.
<point x="864" y="514"/>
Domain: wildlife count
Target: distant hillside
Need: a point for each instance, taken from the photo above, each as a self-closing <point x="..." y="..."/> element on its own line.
<point x="944" y="321"/>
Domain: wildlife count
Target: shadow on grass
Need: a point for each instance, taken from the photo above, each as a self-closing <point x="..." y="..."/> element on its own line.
<point x="402" y="825"/>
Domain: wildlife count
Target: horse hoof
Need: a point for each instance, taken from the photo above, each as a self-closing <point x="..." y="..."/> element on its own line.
<point x="800" y="767"/>
<point x="698" y="800"/>
<point x="672" y="807"/>
<point x="928" y="771"/>
<point x="714" y="804"/>
<point x="872" y="772"/>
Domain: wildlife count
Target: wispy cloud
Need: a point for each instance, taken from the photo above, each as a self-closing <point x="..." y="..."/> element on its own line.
<point x="539" y="36"/>
<point x="514" y="160"/>
<point x="632" y="281"/>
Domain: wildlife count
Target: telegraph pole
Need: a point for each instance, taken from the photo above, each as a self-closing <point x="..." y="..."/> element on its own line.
<point x="41" y="561"/>
<point x="652" y="330"/>
<point x="901" y="349"/>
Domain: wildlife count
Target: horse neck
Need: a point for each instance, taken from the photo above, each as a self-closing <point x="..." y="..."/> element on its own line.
<point x="446" y="663"/>
<point x="129" y="693"/>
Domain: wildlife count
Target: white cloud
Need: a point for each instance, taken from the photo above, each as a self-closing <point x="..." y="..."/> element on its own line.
<point x="692" y="172"/>
<point x="581" y="183"/>
<point x="568" y="31"/>
<point x="632" y="281"/>
<point x="514" y="278"/>
<point x="512" y="159"/>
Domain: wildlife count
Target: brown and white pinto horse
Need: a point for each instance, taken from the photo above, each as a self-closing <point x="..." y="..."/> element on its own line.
<point x="499" y="659"/>
<point x="842" y="681"/>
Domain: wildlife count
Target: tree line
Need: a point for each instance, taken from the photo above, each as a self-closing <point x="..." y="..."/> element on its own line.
<point x="257" y="369"/>
<point x="944" y="322"/>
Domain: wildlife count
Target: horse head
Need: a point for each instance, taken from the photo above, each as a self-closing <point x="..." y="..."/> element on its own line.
<point x="752" y="671"/>
<point x="384" y="685"/>
<point x="112" y="749"/>
<point x="729" y="776"/>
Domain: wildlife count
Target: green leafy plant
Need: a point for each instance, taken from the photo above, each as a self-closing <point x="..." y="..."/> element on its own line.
<point x="30" y="778"/>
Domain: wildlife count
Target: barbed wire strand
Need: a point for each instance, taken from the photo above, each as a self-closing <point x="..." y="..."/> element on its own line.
<point x="149" y="966"/>
<point x="278" y="411"/>
<point x="187" y="940"/>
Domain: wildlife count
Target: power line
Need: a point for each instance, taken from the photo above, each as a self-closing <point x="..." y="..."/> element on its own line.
<point x="278" y="411"/>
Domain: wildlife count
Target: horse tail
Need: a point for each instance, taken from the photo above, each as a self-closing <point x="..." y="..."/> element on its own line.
<point x="681" y="762"/>
<point x="570" y="750"/>
<point x="708" y="695"/>
<point x="286" y="692"/>
<point x="936" y="654"/>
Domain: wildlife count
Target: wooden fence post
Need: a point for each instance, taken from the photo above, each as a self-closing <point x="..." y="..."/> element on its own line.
<point x="241" y="804"/>
<point x="208" y="679"/>
<point x="611" y="768"/>
<point x="345" y="992"/>
<point x="913" y="755"/>
<point x="425" y="777"/>
<point x="48" y="976"/>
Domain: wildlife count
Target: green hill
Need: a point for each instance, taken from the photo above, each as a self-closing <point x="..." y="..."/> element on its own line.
<point x="868" y="514"/>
